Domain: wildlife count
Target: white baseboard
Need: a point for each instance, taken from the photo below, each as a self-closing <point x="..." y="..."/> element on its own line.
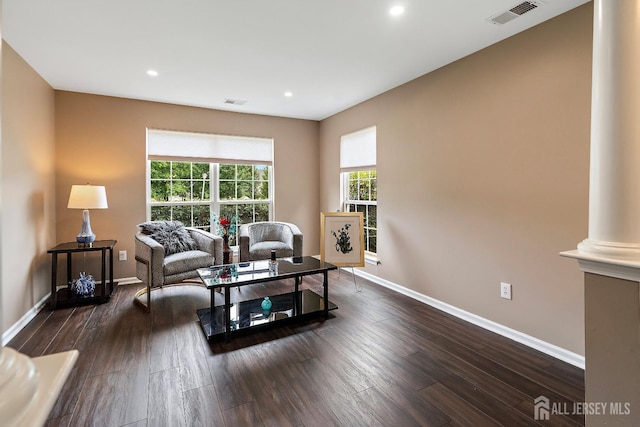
<point x="128" y="281"/>
<point x="24" y="321"/>
<point x="29" y="315"/>
<point x="533" y="342"/>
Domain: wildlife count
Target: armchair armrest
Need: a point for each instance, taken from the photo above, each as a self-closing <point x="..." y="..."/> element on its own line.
<point x="150" y="251"/>
<point x="208" y="242"/>
<point x="243" y="242"/>
<point x="297" y="239"/>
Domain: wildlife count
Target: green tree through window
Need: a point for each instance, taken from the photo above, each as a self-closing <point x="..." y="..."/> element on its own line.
<point x="189" y="192"/>
<point x="361" y="195"/>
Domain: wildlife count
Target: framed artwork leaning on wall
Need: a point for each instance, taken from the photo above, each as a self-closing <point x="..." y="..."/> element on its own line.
<point x="342" y="238"/>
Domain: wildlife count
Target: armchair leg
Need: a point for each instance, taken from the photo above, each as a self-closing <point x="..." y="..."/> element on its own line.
<point x="146" y="289"/>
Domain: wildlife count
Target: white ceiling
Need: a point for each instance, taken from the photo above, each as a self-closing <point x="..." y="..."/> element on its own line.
<point x="331" y="54"/>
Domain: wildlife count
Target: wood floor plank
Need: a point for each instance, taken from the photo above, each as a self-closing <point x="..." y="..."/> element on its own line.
<point x="527" y="407"/>
<point x="59" y="421"/>
<point x="32" y="328"/>
<point x="242" y="416"/>
<point x="113" y="399"/>
<point x="485" y="402"/>
<point x="332" y="400"/>
<point x="305" y="398"/>
<point x="166" y="406"/>
<point x="533" y="372"/>
<point x="201" y="407"/>
<point x="483" y="379"/>
<point x="396" y="406"/>
<point x="38" y="343"/>
<point x="164" y="352"/>
<point x="455" y="406"/>
<point x="231" y="385"/>
<point x="526" y="386"/>
<point x="371" y="361"/>
<point x="68" y="335"/>
<point x="194" y="370"/>
<point x="103" y="313"/>
<point x="381" y="359"/>
<point x="70" y="394"/>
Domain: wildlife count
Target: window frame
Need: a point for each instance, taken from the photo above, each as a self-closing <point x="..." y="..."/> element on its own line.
<point x="346" y="202"/>
<point x="215" y="202"/>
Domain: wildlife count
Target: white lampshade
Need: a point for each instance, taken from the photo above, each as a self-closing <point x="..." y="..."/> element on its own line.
<point x="87" y="197"/>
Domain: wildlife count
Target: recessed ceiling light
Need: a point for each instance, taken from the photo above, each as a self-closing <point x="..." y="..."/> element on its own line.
<point x="396" y="10"/>
<point x="152" y="73"/>
<point x="288" y="94"/>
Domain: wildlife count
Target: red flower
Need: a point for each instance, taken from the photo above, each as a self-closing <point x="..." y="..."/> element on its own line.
<point x="224" y="222"/>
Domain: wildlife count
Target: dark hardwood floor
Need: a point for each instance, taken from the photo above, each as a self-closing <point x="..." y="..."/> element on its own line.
<point x="381" y="359"/>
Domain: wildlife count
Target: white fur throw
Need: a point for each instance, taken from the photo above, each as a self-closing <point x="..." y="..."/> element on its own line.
<point x="172" y="235"/>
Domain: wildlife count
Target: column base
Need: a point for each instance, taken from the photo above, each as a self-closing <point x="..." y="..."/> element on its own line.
<point x="29" y="387"/>
<point x="610" y="250"/>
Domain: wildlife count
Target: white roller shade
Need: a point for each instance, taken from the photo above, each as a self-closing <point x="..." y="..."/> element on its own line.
<point x="198" y="147"/>
<point x="358" y="150"/>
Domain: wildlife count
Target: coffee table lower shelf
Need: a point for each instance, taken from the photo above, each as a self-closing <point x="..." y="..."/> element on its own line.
<point x="248" y="316"/>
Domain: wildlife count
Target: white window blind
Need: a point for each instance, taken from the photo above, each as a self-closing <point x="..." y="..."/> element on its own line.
<point x="198" y="147"/>
<point x="358" y="150"/>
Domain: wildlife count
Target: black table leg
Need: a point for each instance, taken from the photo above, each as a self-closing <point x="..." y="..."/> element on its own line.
<point x="227" y="314"/>
<point x="103" y="276"/>
<point x="54" y="280"/>
<point x="111" y="270"/>
<point x="326" y="294"/>
<point x="69" y="271"/>
<point x="296" y="296"/>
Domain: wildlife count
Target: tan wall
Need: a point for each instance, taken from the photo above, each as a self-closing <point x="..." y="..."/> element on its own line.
<point x="483" y="177"/>
<point x="27" y="177"/>
<point x="612" y="344"/>
<point x="101" y="140"/>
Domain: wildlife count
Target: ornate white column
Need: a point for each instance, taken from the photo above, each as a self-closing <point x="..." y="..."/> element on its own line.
<point x="614" y="186"/>
<point x="610" y="256"/>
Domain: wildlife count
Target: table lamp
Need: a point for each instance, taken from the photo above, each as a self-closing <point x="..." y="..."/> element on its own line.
<point x="87" y="197"/>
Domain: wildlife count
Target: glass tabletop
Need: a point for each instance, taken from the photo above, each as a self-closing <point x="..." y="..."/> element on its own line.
<point x="246" y="273"/>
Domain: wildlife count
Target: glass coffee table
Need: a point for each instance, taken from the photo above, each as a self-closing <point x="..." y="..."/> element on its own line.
<point x="233" y="318"/>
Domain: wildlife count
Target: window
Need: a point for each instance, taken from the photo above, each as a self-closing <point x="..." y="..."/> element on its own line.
<point x="361" y="195"/>
<point x="244" y="192"/>
<point x="180" y="191"/>
<point x="360" y="181"/>
<point x="193" y="175"/>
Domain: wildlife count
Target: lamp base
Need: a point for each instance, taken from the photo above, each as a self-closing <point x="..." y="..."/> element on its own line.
<point x="85" y="238"/>
<point x="86" y="235"/>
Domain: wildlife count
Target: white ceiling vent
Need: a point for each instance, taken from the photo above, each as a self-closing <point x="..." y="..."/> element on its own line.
<point x="513" y="13"/>
<point x="235" y="101"/>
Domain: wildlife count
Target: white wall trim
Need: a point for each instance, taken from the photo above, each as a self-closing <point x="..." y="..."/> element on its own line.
<point x="31" y="314"/>
<point x="533" y="342"/>
<point x="24" y="320"/>
<point x="627" y="269"/>
<point x="128" y="281"/>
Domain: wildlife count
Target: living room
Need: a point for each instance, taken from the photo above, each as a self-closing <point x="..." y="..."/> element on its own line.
<point x="483" y="178"/>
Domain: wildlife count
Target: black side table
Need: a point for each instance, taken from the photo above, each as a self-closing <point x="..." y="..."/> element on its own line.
<point x="65" y="296"/>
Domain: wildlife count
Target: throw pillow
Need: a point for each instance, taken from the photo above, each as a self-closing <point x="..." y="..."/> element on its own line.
<point x="172" y="235"/>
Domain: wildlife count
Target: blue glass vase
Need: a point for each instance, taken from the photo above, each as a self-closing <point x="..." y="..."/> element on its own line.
<point x="266" y="303"/>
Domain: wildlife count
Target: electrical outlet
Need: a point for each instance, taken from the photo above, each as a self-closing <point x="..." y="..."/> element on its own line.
<point x="505" y="290"/>
<point x="122" y="255"/>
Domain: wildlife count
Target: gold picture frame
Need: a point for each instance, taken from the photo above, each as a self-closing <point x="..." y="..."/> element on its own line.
<point x="342" y="238"/>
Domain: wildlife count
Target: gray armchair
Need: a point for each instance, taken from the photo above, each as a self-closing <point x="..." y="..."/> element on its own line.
<point x="257" y="239"/>
<point x="164" y="259"/>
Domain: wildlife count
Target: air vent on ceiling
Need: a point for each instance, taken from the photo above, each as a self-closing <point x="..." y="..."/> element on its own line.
<point x="513" y="13"/>
<point x="235" y="101"/>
